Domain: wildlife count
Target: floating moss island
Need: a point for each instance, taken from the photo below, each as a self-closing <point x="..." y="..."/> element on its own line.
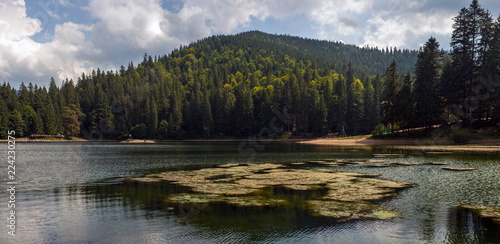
<point x="340" y="195"/>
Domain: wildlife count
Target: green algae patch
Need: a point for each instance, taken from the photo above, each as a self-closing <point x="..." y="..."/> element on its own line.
<point x="242" y="201"/>
<point x="484" y="212"/>
<point x="340" y="195"/>
<point x="384" y="214"/>
<point x="348" y="210"/>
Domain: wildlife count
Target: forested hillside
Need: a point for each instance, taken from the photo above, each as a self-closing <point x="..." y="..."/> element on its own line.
<point x="274" y="85"/>
<point x="222" y="86"/>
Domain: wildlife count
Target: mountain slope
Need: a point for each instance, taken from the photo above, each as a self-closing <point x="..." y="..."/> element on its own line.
<point x="250" y="84"/>
<point x="326" y="54"/>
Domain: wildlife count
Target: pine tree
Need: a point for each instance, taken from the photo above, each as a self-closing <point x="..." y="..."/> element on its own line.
<point x="427" y="104"/>
<point x="16" y="122"/>
<point x="152" y="118"/>
<point x="206" y="114"/>
<point x="405" y="106"/>
<point x="101" y="117"/>
<point x="371" y="106"/>
<point x="490" y="74"/>
<point x="57" y="103"/>
<point x="4" y="119"/>
<point x="341" y="103"/>
<point x="468" y="42"/>
<point x="357" y="106"/>
<point x="378" y="88"/>
<point x="33" y="121"/>
<point x="390" y="95"/>
<point x="243" y="111"/>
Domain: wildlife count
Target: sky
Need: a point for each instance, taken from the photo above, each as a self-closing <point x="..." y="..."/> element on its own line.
<point x="40" y="39"/>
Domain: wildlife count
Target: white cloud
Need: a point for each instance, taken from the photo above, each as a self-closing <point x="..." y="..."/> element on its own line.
<point x="16" y="46"/>
<point x="402" y="26"/>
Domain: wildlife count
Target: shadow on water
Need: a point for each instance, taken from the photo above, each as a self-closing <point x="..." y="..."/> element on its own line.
<point x="254" y="224"/>
<point x="464" y="226"/>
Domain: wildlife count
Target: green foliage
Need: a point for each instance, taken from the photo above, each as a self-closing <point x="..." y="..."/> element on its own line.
<point x="16" y="122"/>
<point x="4" y="119"/>
<point x="222" y="86"/>
<point x="427" y="106"/>
<point x="139" y="131"/>
<point x="163" y="132"/>
<point x="390" y="96"/>
<point x="33" y="121"/>
<point x="70" y="122"/>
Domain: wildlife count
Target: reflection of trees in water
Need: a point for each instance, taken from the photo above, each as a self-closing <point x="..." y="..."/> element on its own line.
<point x="464" y="226"/>
<point x="137" y="201"/>
<point x="148" y="200"/>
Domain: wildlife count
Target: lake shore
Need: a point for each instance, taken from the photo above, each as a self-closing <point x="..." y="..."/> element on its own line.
<point x="138" y="141"/>
<point x="479" y="145"/>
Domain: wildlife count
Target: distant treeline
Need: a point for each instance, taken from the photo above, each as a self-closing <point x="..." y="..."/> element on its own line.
<point x="236" y="86"/>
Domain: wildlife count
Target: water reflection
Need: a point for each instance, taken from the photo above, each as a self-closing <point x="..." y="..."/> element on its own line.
<point x="464" y="226"/>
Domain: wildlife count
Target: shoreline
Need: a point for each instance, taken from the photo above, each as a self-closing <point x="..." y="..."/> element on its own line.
<point x="478" y="145"/>
<point x="25" y="140"/>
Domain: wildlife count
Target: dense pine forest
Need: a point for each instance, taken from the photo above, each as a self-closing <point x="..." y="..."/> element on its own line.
<point x="236" y="85"/>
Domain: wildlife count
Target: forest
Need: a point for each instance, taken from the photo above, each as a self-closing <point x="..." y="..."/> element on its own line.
<point x="233" y="86"/>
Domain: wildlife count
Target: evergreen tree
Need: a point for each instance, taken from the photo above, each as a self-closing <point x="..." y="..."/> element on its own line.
<point x="490" y="74"/>
<point x="357" y="106"/>
<point x="405" y="105"/>
<point x="468" y="44"/>
<point x="46" y="111"/>
<point x="243" y="111"/>
<point x="152" y="118"/>
<point x="371" y="108"/>
<point x="57" y="103"/>
<point x="163" y="130"/>
<point x="206" y="114"/>
<point x="428" y="67"/>
<point x="341" y="99"/>
<point x="4" y="119"/>
<point x="16" y="122"/>
<point x="378" y="88"/>
<point x="101" y="117"/>
<point x="390" y="95"/>
<point x="33" y="121"/>
<point x="24" y="95"/>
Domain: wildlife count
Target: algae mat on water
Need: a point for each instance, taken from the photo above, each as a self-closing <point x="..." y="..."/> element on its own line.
<point x="342" y="195"/>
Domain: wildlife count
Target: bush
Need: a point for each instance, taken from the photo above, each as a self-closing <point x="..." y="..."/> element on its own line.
<point x="379" y="130"/>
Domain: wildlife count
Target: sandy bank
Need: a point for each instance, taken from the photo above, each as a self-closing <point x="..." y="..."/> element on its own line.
<point x="481" y="145"/>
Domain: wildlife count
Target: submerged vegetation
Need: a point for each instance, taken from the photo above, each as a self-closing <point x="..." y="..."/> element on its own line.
<point x="336" y="194"/>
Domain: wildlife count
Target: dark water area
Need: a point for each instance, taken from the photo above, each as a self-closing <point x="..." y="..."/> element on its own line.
<point x="77" y="193"/>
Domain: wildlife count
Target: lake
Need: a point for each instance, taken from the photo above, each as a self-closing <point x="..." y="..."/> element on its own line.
<point x="75" y="193"/>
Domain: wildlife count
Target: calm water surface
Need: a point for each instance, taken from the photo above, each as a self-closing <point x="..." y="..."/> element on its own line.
<point x="74" y="193"/>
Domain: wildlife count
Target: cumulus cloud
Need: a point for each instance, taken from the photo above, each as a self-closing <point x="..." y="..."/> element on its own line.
<point x="400" y="25"/>
<point x="16" y="46"/>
